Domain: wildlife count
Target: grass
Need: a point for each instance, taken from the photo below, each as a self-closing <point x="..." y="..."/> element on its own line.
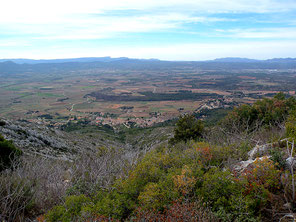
<point x="15" y="88"/>
<point x="84" y="106"/>
<point x="87" y="87"/>
<point x="25" y="94"/>
<point x="48" y="95"/>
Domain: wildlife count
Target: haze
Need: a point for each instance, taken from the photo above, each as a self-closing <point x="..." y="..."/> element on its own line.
<point x="169" y="30"/>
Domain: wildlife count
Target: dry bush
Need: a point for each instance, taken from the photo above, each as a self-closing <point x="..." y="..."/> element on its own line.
<point x="33" y="185"/>
<point x="36" y="184"/>
<point x="178" y="211"/>
<point x="237" y="133"/>
<point x="93" y="171"/>
<point x="15" y="197"/>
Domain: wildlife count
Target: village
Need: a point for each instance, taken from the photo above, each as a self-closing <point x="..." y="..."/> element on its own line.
<point x="116" y="121"/>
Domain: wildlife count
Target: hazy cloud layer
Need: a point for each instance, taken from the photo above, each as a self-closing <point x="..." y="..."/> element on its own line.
<point x="37" y="28"/>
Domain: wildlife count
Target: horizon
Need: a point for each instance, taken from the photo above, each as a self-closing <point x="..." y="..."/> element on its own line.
<point x="76" y="58"/>
<point x="187" y="30"/>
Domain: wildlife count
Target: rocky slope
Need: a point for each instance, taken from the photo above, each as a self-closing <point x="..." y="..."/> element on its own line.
<point x="39" y="139"/>
<point x="34" y="138"/>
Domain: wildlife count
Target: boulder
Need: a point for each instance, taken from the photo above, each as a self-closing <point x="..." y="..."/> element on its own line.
<point x="259" y="150"/>
<point x="290" y="162"/>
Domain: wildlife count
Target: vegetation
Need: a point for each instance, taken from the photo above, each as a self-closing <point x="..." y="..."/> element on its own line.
<point x="265" y="112"/>
<point x="2" y="123"/>
<point x="188" y="128"/>
<point x="200" y="176"/>
<point x="169" y="178"/>
<point x="8" y="153"/>
<point x="150" y="96"/>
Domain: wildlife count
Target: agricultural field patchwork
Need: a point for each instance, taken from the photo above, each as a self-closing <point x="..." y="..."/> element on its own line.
<point x="142" y="97"/>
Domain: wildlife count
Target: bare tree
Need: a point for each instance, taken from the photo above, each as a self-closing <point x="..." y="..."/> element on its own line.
<point x="290" y="149"/>
<point x="35" y="184"/>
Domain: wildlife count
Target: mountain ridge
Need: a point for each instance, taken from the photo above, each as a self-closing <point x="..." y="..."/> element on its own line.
<point x="111" y="59"/>
<point x="11" y="67"/>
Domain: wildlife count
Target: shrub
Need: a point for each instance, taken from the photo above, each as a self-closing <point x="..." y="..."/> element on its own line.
<point x="151" y="196"/>
<point x="277" y="156"/>
<point x="187" y="128"/>
<point x="265" y="112"/>
<point x="223" y="194"/>
<point x="176" y="211"/>
<point x="17" y="197"/>
<point x="263" y="176"/>
<point x="207" y="156"/>
<point x="57" y="214"/>
<point x="217" y="187"/>
<point x="261" y="182"/>
<point x="185" y="182"/>
<point x="291" y="126"/>
<point x="2" y="123"/>
<point x="70" y="211"/>
<point x="114" y="204"/>
<point x="8" y="153"/>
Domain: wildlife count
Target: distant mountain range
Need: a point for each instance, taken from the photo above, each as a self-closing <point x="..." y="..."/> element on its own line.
<point x="26" y="66"/>
<point x="109" y="59"/>
<point x="86" y="59"/>
<point x="246" y="60"/>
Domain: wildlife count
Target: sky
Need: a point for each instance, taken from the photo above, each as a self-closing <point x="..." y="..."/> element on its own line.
<point x="161" y="29"/>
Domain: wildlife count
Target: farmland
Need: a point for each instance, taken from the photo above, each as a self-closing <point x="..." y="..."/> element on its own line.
<point x="133" y="96"/>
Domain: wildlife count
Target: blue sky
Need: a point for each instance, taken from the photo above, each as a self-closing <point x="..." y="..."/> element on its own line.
<point x="163" y="29"/>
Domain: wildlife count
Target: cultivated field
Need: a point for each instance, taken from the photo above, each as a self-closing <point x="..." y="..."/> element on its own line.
<point x="144" y="97"/>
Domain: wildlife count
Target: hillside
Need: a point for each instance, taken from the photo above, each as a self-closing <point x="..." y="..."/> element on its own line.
<point x="239" y="169"/>
<point x="69" y="143"/>
<point x="48" y="142"/>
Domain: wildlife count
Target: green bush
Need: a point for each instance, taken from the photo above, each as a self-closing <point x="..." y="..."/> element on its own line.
<point x="2" y="123"/>
<point x="187" y="128"/>
<point x="70" y="211"/>
<point x="57" y="214"/>
<point x="224" y="195"/>
<point x="291" y="126"/>
<point x="277" y="156"/>
<point x="265" y="112"/>
<point x="189" y="174"/>
<point x="114" y="204"/>
<point x="217" y="188"/>
<point x="8" y="153"/>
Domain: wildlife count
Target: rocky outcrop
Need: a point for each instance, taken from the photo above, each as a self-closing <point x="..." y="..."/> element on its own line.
<point x="259" y="150"/>
<point x="262" y="151"/>
<point x="241" y="166"/>
<point x="33" y="138"/>
<point x="265" y="148"/>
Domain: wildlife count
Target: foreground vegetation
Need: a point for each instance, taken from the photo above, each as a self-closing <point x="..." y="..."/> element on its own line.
<point x="200" y="175"/>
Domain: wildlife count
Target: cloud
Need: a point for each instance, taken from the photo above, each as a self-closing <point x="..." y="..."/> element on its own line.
<point x="13" y="43"/>
<point x="55" y="19"/>
<point x="37" y="12"/>
<point x="44" y="26"/>
<point x="205" y="51"/>
<point x="105" y="26"/>
<point x="263" y="33"/>
<point x="193" y="51"/>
